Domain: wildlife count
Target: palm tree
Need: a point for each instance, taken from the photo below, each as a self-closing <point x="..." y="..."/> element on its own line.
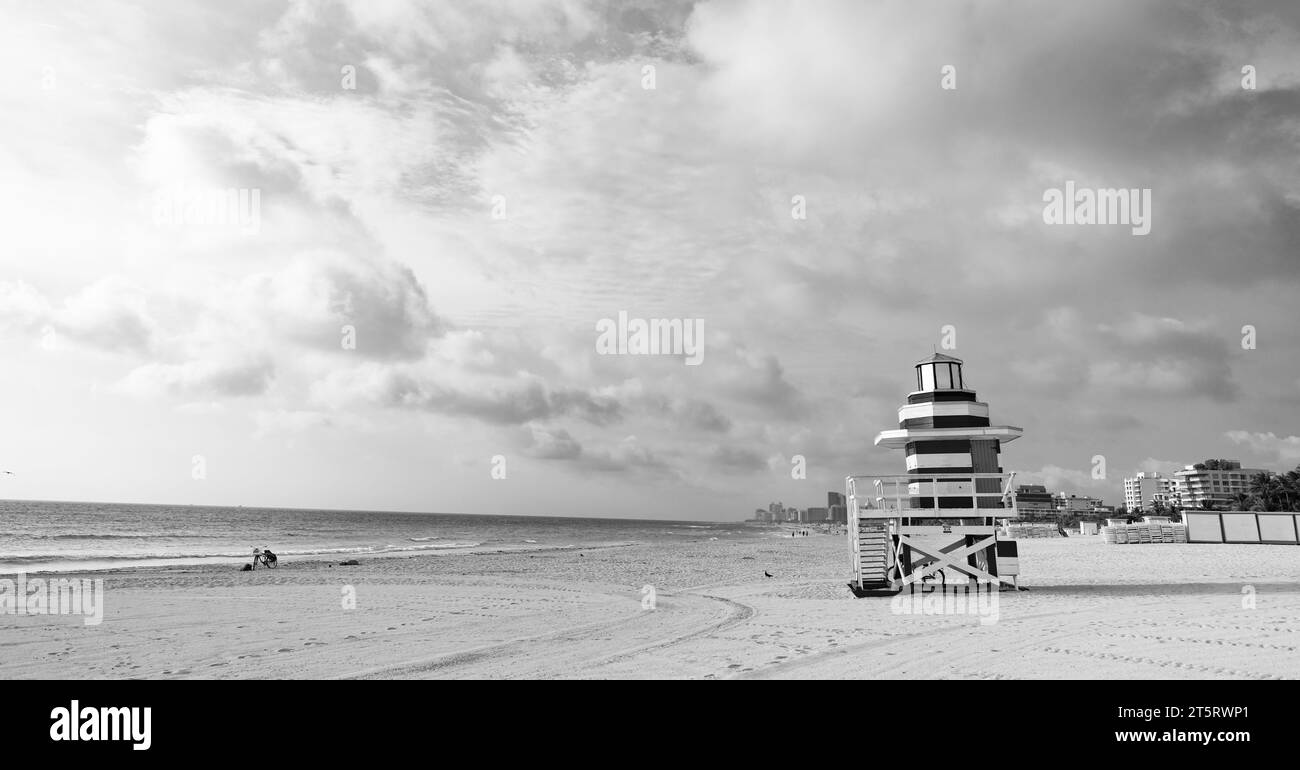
<point x="1266" y="489"/>
<point x="1242" y="501"/>
<point x="1290" y="488"/>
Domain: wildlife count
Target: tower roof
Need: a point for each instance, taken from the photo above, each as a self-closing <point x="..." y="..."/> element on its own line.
<point x="938" y="358"/>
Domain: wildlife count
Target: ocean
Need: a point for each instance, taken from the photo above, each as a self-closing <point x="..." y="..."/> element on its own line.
<point x="40" y="536"/>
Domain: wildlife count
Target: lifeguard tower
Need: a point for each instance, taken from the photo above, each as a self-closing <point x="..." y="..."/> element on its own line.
<point x="938" y="522"/>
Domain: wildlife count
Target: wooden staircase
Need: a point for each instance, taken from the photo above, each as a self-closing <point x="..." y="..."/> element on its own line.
<point x="873" y="543"/>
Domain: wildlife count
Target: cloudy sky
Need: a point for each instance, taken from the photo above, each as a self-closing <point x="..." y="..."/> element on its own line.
<point x="472" y="186"/>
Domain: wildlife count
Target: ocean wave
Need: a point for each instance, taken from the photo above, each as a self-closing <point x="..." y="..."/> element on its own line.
<point x="103" y="536"/>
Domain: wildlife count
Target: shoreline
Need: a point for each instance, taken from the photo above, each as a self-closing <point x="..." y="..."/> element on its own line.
<point x="188" y="563"/>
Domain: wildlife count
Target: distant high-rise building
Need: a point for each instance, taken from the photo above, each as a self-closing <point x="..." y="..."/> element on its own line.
<point x="1075" y="503"/>
<point x="1033" y="501"/>
<point x="836" y="509"/>
<point x="1142" y="491"/>
<point x="1198" y="485"/>
<point x="815" y="515"/>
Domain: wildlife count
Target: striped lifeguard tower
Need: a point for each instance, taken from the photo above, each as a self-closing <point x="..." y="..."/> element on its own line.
<point x="939" y="520"/>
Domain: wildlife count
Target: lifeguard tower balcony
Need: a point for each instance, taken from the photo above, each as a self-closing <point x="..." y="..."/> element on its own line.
<point x="940" y="517"/>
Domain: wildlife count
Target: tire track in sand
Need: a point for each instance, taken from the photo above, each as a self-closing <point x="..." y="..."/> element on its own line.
<point x="562" y="653"/>
<point x="738" y="613"/>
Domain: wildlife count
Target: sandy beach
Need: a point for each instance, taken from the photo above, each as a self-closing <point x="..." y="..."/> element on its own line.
<point x="1092" y="611"/>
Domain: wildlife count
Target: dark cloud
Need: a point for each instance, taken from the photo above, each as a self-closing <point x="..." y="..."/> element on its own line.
<point x="627" y="456"/>
<point x="735" y="459"/>
<point x="552" y="444"/>
<point x="691" y="414"/>
<point x="511" y="405"/>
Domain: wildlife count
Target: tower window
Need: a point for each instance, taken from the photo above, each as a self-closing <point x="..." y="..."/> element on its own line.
<point x="943" y="378"/>
<point x="939" y="375"/>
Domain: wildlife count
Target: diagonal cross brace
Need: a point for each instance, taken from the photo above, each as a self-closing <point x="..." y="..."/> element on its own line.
<point x="941" y="558"/>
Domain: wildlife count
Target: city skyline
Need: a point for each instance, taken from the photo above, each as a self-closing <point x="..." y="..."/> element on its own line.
<point x="438" y="215"/>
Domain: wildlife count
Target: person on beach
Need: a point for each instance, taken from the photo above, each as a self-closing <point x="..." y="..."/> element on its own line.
<point x="264" y="554"/>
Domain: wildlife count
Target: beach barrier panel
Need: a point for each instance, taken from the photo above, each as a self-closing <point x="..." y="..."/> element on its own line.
<point x="1203" y="527"/>
<point x="1240" y="528"/>
<point x="1271" y="527"/>
<point x="1278" y="529"/>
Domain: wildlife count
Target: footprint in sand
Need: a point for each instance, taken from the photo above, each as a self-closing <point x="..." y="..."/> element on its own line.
<point x="285" y="649"/>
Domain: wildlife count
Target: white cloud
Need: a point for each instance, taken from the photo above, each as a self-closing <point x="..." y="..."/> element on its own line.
<point x="108" y="315"/>
<point x="1274" y="448"/>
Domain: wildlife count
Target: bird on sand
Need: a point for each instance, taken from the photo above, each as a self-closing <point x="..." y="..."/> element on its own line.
<point x="766" y="573"/>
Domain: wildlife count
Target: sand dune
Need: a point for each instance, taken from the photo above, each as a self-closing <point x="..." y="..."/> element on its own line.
<point x="1092" y="611"/>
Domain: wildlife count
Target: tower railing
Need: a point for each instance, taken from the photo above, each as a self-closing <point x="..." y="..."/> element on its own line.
<point x="939" y="496"/>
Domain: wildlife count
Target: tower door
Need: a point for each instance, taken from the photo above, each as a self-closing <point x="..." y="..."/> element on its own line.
<point x="984" y="459"/>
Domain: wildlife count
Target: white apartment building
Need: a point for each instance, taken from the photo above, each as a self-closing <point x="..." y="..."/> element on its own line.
<point x="1143" y="490"/>
<point x="1215" y="486"/>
